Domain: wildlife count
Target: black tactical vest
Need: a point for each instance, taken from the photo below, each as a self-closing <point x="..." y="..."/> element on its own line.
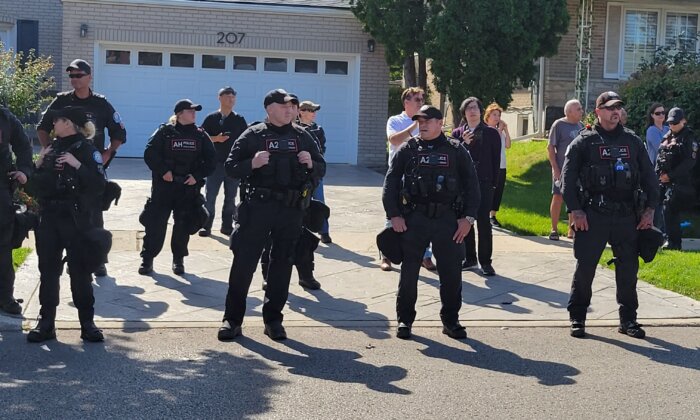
<point x="182" y="150"/>
<point x="610" y="166"/>
<point x="284" y="170"/>
<point x="431" y="175"/>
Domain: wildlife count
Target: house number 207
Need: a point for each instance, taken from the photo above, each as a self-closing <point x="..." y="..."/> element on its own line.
<point x="230" y="37"/>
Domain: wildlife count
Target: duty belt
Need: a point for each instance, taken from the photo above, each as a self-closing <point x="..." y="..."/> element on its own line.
<point x="618" y="208"/>
<point x="432" y="210"/>
<point x="60" y="206"/>
<point x="289" y="198"/>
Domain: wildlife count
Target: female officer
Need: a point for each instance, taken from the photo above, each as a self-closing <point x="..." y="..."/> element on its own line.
<point x="69" y="182"/>
<point x="180" y="155"/>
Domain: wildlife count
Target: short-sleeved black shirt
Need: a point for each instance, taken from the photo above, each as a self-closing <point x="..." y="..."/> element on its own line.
<point x="98" y="110"/>
<point x="215" y="124"/>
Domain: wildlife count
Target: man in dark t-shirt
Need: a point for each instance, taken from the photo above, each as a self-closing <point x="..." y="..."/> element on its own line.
<point x="223" y="126"/>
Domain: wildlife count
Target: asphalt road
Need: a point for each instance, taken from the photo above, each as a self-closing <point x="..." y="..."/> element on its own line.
<point x="336" y="373"/>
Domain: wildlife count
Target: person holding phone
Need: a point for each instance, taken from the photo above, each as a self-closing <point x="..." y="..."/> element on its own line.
<point x="223" y="126"/>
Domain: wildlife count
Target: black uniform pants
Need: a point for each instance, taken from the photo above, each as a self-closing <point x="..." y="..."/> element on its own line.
<point x="167" y="198"/>
<point x="58" y="231"/>
<point x="621" y="232"/>
<point x="420" y="232"/>
<point x="483" y="225"/>
<point x="259" y="221"/>
<point x="7" y="272"/>
<point x="303" y="261"/>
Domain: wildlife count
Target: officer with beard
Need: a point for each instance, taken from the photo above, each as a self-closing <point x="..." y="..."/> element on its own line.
<point x="431" y="195"/>
<point x="278" y="163"/>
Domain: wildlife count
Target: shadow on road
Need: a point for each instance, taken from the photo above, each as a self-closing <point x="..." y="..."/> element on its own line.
<point x="337" y="252"/>
<point x="486" y="357"/>
<point x="661" y="352"/>
<point x="326" y="308"/>
<point x="110" y="380"/>
<point x="335" y="365"/>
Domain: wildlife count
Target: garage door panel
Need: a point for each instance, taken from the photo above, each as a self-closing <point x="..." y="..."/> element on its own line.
<point x="145" y="96"/>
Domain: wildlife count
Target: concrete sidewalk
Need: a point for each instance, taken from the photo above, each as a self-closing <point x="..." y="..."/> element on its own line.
<point x="531" y="288"/>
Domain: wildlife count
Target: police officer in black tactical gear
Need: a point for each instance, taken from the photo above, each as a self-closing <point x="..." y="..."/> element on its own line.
<point x="278" y="163"/>
<point x="98" y="110"/>
<point x="68" y="181"/>
<point x="180" y="155"/>
<point x="431" y="195"/>
<point x="11" y="135"/>
<point x="674" y="165"/>
<point x="308" y="242"/>
<point x="609" y="185"/>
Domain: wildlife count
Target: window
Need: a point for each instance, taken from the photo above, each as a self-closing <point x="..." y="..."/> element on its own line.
<point x="681" y="31"/>
<point x="306" y="66"/>
<point x="275" y="64"/>
<point x="7" y="36"/>
<point x="639" y="39"/>
<point x="337" y="67"/>
<point x="181" y="60"/>
<point x="244" y="63"/>
<point x="150" y="58"/>
<point x="118" y="57"/>
<point x="213" y="61"/>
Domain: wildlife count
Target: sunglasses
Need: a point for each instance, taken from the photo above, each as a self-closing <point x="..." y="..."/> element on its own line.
<point x="77" y="75"/>
<point x="612" y="107"/>
<point x="659" y="113"/>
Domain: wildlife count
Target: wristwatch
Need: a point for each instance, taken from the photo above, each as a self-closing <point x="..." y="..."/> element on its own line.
<point x="470" y="219"/>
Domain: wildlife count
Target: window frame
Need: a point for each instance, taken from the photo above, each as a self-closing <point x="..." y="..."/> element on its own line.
<point x="662" y="16"/>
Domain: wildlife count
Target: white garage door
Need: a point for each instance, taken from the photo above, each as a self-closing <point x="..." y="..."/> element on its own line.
<point x="144" y="82"/>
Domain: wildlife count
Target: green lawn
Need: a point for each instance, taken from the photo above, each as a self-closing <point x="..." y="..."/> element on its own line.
<point x="525" y="210"/>
<point x="525" y="206"/>
<point x="671" y="270"/>
<point x="19" y="255"/>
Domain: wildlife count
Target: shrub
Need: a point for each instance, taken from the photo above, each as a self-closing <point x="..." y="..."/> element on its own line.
<point x="671" y="78"/>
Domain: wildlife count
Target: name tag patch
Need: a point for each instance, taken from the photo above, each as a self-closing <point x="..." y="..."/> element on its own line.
<point x="434" y="159"/>
<point x="183" y="145"/>
<point x="614" y="152"/>
<point x="281" y="145"/>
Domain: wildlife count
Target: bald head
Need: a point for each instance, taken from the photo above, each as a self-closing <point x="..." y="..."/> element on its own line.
<point x="573" y="111"/>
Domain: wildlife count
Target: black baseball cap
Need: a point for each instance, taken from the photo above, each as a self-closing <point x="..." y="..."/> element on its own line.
<point x="184" y="104"/>
<point x="227" y="89"/>
<point x="675" y="115"/>
<point x="428" y="112"/>
<point x="74" y="114"/>
<point x="295" y="98"/>
<point x="607" y="99"/>
<point x="80" y="64"/>
<point x="278" y="96"/>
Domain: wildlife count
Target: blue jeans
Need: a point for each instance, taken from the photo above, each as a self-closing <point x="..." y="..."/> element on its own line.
<point x="212" y="186"/>
<point x="318" y="195"/>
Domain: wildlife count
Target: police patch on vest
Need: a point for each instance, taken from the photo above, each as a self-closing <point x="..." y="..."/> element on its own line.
<point x="282" y="145"/>
<point x="97" y="156"/>
<point x="183" y="145"/>
<point x="614" y="152"/>
<point x="434" y="159"/>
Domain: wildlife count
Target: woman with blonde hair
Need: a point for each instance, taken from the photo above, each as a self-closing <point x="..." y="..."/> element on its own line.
<point x="492" y="118"/>
<point x="69" y="182"/>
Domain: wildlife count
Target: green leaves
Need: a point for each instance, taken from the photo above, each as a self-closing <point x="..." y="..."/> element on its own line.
<point x="24" y="82"/>
<point x="478" y="48"/>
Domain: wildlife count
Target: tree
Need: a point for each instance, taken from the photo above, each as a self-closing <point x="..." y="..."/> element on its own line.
<point x="399" y="26"/>
<point x="486" y="49"/>
<point x="23" y="81"/>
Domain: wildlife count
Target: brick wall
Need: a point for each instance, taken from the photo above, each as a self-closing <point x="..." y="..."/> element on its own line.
<point x="49" y="15"/>
<point x="194" y="26"/>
